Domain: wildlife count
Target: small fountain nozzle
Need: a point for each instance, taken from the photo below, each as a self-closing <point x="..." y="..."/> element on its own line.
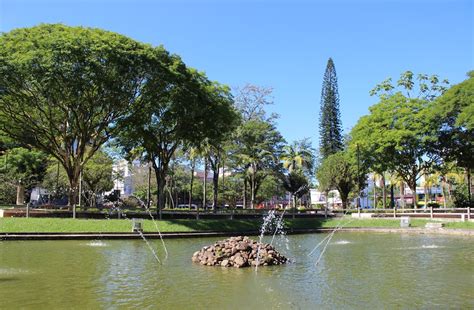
<point x="137" y="225"/>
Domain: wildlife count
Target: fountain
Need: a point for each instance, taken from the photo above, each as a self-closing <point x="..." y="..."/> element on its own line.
<point x="244" y="252"/>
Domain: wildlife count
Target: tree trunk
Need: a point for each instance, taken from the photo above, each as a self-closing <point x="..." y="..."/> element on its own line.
<point x="160" y="173"/>
<point x="204" y="185"/>
<point x="215" y="181"/>
<point x="148" y="193"/>
<point x="468" y="185"/>
<point x="326" y="206"/>
<point x="223" y="173"/>
<point x="443" y="192"/>
<point x="252" y="187"/>
<point x="73" y="190"/>
<point x="191" y="185"/>
<point x="294" y="206"/>
<point x="425" y="191"/>
<point x="384" y="192"/>
<point x="343" y="195"/>
<point x="402" y="194"/>
<point x="375" y="192"/>
<point x="392" y="198"/>
<point x="415" y="198"/>
<point x="20" y="194"/>
<point x="244" y="198"/>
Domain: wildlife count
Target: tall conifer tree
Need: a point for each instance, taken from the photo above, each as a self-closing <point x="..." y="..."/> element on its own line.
<point x="330" y="132"/>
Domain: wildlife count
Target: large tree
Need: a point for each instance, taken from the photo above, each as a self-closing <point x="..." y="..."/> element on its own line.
<point x="257" y="142"/>
<point x="453" y="114"/>
<point x="336" y="172"/>
<point x="330" y="131"/>
<point x="258" y="147"/>
<point x="397" y="133"/>
<point x="190" y="109"/>
<point x="64" y="89"/>
<point x="97" y="178"/>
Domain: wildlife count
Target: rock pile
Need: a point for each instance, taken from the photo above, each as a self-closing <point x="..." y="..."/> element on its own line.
<point x="238" y="252"/>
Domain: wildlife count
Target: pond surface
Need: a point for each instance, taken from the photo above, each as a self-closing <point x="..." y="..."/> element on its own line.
<point x="358" y="270"/>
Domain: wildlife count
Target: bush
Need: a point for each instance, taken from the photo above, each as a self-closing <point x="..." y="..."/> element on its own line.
<point x="461" y="199"/>
<point x="132" y="202"/>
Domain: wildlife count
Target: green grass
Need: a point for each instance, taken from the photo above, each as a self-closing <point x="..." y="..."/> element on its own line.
<point x="10" y="225"/>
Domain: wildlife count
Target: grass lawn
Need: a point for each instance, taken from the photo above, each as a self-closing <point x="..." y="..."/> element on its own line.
<point x="10" y="225"/>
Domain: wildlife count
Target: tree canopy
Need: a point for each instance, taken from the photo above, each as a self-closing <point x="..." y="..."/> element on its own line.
<point x="64" y="89"/>
<point x="188" y="110"/>
<point x="453" y="116"/>
<point x="336" y="172"/>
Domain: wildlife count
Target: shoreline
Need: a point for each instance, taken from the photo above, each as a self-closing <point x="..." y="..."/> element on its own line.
<point x="178" y="235"/>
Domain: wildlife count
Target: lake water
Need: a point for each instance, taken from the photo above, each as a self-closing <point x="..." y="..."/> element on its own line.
<point x="357" y="271"/>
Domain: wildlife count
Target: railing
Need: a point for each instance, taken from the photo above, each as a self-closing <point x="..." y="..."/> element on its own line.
<point x="462" y="213"/>
<point x="418" y="212"/>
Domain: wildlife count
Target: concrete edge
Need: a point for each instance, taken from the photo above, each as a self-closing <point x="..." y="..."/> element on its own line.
<point x="128" y="236"/>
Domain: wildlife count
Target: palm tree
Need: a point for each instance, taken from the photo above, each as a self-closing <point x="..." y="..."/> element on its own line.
<point x="428" y="182"/>
<point x="253" y="166"/>
<point x="297" y="184"/>
<point x="298" y="155"/>
<point x="192" y="154"/>
<point x="297" y="158"/>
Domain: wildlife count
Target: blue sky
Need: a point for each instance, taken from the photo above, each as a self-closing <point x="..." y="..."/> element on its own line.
<point x="285" y="44"/>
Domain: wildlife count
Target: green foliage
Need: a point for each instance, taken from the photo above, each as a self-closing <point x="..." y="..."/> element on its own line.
<point x="461" y="196"/>
<point x="132" y="202"/>
<point x="178" y="106"/>
<point x="272" y="186"/>
<point x="22" y="168"/>
<point x="296" y="183"/>
<point x="97" y="176"/>
<point x="258" y="146"/>
<point x="232" y="190"/>
<point x="397" y="133"/>
<point x="453" y="116"/>
<point x="21" y="165"/>
<point x="330" y="130"/>
<point x="63" y="89"/>
<point x="298" y="156"/>
<point x="336" y="172"/>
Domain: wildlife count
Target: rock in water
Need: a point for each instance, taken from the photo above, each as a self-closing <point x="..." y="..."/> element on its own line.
<point x="238" y="252"/>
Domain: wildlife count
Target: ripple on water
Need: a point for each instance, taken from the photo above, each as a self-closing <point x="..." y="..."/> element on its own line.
<point x="12" y="271"/>
<point x="342" y="242"/>
<point x="97" y="243"/>
<point x="429" y="246"/>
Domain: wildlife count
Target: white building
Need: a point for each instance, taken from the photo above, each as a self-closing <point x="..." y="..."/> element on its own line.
<point x="319" y="199"/>
<point x="124" y="180"/>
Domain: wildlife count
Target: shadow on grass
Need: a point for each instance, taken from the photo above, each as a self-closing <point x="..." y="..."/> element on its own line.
<point x="245" y="224"/>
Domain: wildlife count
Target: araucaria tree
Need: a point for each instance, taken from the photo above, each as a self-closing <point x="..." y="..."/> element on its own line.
<point x="330" y="132"/>
<point x="64" y="89"/>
